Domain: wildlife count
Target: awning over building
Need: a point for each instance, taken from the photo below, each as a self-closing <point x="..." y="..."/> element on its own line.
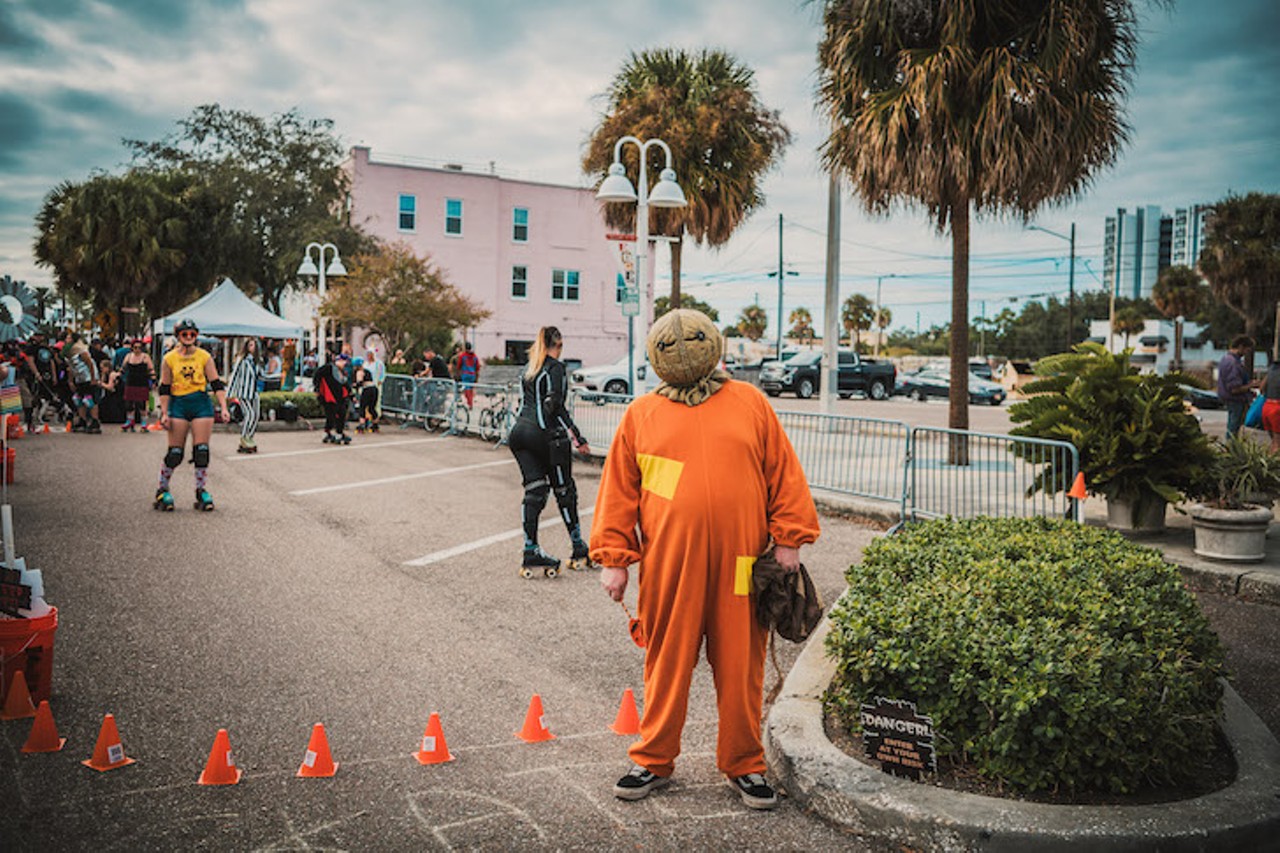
<point x="1153" y="340"/>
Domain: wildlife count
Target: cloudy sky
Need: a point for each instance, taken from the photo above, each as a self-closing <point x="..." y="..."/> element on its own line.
<point x="518" y="82"/>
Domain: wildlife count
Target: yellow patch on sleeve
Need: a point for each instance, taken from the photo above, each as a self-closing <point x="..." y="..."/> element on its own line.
<point x="659" y="474"/>
<point x="742" y="575"/>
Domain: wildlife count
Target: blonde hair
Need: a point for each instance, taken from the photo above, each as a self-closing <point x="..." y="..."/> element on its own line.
<point x="548" y="336"/>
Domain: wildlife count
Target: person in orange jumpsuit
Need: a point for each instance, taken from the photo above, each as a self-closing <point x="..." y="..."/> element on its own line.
<point x="699" y="480"/>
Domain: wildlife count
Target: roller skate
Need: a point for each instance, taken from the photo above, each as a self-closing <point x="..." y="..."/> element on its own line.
<point x="204" y="500"/>
<point x="344" y="439"/>
<point x="534" y="559"/>
<point x="580" y="560"/>
<point x="247" y="447"/>
<point x="164" y="500"/>
<point x="329" y="439"/>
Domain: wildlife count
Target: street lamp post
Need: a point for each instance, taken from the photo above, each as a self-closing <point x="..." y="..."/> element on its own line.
<point x="666" y="193"/>
<point x="310" y="267"/>
<point x="1071" y="277"/>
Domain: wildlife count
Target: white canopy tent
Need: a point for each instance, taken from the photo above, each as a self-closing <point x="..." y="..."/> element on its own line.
<point x="226" y="312"/>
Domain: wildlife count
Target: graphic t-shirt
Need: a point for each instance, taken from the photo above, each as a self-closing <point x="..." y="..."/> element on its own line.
<point x="188" y="370"/>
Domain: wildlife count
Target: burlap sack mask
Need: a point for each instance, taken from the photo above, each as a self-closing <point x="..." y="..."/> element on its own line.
<point x="684" y="349"/>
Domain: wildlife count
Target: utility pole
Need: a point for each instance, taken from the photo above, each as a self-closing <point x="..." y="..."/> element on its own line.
<point x="831" y="304"/>
<point x="781" y="275"/>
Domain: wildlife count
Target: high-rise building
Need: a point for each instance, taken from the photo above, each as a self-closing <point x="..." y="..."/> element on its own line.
<point x="1138" y="246"/>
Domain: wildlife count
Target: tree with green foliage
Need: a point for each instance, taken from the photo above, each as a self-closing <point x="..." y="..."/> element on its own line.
<point x="404" y="298"/>
<point x="662" y="304"/>
<point x="752" y="322"/>
<point x="1241" y="256"/>
<point x="856" y="316"/>
<point x="801" y="325"/>
<point x="268" y="187"/>
<point x="1178" y="292"/>
<point x="723" y="140"/>
<point x="1129" y="321"/>
<point x="962" y="107"/>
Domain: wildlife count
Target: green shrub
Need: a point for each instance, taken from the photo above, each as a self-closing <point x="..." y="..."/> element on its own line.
<point x="1050" y="655"/>
<point x="308" y="404"/>
<point x="399" y="369"/>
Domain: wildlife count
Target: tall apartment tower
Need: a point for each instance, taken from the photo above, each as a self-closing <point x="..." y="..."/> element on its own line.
<point x="1138" y="246"/>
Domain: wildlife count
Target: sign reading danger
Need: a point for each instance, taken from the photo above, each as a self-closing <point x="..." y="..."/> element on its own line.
<point x="898" y="737"/>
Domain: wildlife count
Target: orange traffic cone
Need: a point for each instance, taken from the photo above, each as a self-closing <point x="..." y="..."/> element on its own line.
<point x="1077" y="488"/>
<point x="17" y="705"/>
<point x="46" y="429"/>
<point x="434" y="750"/>
<point x="108" y="753"/>
<point x="535" y="729"/>
<point x="628" y="720"/>
<point x="44" y="732"/>
<point x="221" y="768"/>
<point x="317" y="762"/>
<point x="68" y="426"/>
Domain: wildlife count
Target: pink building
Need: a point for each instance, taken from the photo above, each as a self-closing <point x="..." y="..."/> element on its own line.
<point x="534" y="254"/>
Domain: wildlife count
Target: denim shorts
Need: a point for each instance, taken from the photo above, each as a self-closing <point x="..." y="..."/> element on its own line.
<point x="191" y="406"/>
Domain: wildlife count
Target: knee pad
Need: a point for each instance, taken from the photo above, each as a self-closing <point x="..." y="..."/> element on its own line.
<point x="200" y="455"/>
<point x="536" y="492"/>
<point x="173" y="458"/>
<point x="567" y="495"/>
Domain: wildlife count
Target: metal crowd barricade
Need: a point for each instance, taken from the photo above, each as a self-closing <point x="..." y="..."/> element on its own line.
<point x="484" y="408"/>
<point x="597" y="416"/>
<point x="964" y="474"/>
<point x="396" y="397"/>
<point x="865" y="457"/>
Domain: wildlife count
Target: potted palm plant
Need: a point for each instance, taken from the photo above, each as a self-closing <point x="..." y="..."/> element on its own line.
<point x="1139" y="446"/>
<point x="1235" y="493"/>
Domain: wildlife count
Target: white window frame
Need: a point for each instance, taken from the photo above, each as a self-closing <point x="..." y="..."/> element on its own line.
<point x="448" y="217"/>
<point x="516" y="225"/>
<point x="401" y="212"/>
<point x="563" y="275"/>
<point x="525" y="281"/>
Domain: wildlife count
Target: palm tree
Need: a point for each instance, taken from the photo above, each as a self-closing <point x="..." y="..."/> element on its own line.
<point x="1129" y="321"/>
<point x="1241" y="256"/>
<point x="998" y="106"/>
<point x="882" y="320"/>
<point x="752" y="322"/>
<point x="722" y="138"/>
<point x="1178" y="292"/>
<point x="801" y="325"/>
<point x="856" y="315"/>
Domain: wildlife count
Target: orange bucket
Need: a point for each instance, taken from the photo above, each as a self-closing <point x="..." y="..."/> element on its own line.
<point x="27" y="645"/>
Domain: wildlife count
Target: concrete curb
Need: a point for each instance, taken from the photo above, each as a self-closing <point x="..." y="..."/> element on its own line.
<point x="819" y="776"/>
<point x="1232" y="579"/>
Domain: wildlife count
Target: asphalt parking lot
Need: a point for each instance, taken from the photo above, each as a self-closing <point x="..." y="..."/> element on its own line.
<point x="363" y="587"/>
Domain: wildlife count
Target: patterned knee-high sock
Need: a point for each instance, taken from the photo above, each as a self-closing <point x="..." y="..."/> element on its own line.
<point x="165" y="473"/>
<point x="202" y="477"/>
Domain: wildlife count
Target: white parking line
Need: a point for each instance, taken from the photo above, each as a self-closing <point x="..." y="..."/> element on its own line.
<point x="249" y="457"/>
<point x="400" y="478"/>
<point x="487" y="541"/>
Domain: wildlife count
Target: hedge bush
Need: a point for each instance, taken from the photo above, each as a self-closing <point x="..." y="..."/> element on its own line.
<point x="308" y="404"/>
<point x="1050" y="655"/>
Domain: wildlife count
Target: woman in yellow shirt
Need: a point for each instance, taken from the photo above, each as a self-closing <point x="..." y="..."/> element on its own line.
<point x="187" y="374"/>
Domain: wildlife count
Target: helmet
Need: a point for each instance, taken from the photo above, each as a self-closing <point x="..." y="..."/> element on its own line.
<point x="357" y="361"/>
<point x="185" y="325"/>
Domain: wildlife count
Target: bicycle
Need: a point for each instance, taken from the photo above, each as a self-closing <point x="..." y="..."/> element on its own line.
<point x="496" y="419"/>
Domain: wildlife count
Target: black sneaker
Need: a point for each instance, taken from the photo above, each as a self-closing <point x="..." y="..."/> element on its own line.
<point x="755" y="791"/>
<point x="637" y="784"/>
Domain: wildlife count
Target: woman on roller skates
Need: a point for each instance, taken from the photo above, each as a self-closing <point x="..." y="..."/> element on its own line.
<point x="543" y="441"/>
<point x="187" y="374"/>
<point x="244" y="393"/>
<point x="139" y="373"/>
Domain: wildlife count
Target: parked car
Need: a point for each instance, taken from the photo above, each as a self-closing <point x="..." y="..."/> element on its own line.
<point x="936" y="382"/>
<point x="609" y="378"/>
<point x="800" y="374"/>
<point x="980" y="369"/>
<point x="1200" y="398"/>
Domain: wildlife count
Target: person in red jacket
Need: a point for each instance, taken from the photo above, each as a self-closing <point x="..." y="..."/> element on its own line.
<point x="333" y="387"/>
<point x="699" y="480"/>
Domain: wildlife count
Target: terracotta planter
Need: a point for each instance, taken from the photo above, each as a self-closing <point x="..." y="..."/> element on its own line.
<point x="1120" y="517"/>
<point x="1233" y="535"/>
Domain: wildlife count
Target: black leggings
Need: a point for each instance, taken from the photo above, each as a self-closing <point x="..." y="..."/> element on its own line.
<point x="335" y="416"/>
<point x="546" y="466"/>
